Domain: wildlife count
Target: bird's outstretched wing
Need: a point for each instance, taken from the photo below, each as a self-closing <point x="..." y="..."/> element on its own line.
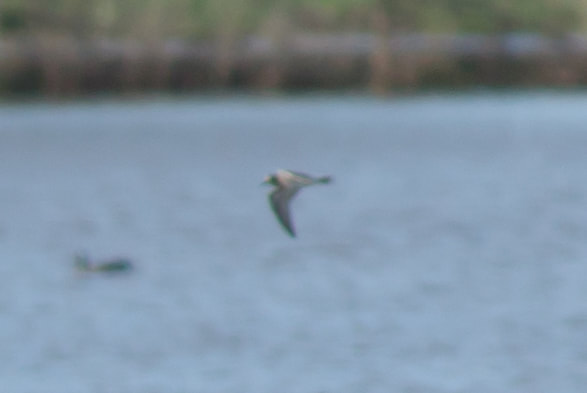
<point x="295" y="179"/>
<point x="279" y="200"/>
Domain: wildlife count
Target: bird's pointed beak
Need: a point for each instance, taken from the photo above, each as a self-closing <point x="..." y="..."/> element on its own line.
<point x="265" y="181"/>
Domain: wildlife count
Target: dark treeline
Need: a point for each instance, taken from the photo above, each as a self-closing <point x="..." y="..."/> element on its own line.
<point x="222" y="19"/>
<point x="70" y="47"/>
<point x="57" y="67"/>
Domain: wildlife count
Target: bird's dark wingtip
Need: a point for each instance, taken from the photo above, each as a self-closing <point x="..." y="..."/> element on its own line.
<point x="290" y="231"/>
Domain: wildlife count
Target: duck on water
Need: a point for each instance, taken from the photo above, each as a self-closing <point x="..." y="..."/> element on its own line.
<point x="116" y="265"/>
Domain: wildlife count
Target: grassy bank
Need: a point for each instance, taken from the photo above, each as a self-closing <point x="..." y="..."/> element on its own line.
<point x="59" y="66"/>
<point x="70" y="47"/>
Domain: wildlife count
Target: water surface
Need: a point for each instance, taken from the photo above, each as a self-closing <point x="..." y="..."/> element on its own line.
<point x="449" y="254"/>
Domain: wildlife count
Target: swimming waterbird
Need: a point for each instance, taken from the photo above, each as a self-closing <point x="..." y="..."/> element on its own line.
<point x="115" y="265"/>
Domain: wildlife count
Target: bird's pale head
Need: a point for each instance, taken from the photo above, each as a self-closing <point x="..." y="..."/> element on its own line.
<point x="271" y="180"/>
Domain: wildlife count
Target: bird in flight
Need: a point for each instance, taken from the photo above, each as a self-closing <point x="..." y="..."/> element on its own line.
<point x="286" y="185"/>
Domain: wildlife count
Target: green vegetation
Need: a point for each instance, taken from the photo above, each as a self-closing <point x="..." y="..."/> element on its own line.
<point x="192" y="19"/>
<point x="71" y="47"/>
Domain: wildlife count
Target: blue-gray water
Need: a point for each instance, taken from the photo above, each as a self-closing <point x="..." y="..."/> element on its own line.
<point x="449" y="254"/>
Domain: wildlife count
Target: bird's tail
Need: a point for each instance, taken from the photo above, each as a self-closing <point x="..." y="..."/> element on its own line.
<point x="82" y="262"/>
<point x="324" y="179"/>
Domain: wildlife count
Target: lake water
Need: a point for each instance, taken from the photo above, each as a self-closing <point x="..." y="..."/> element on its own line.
<point x="448" y="255"/>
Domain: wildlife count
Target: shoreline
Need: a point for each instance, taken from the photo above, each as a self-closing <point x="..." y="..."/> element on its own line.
<point x="60" y="66"/>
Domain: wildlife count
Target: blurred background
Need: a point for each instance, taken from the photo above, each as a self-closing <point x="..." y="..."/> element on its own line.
<point x="138" y="253"/>
<point x="72" y="47"/>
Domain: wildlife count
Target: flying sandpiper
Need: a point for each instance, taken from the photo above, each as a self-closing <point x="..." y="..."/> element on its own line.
<point x="287" y="184"/>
